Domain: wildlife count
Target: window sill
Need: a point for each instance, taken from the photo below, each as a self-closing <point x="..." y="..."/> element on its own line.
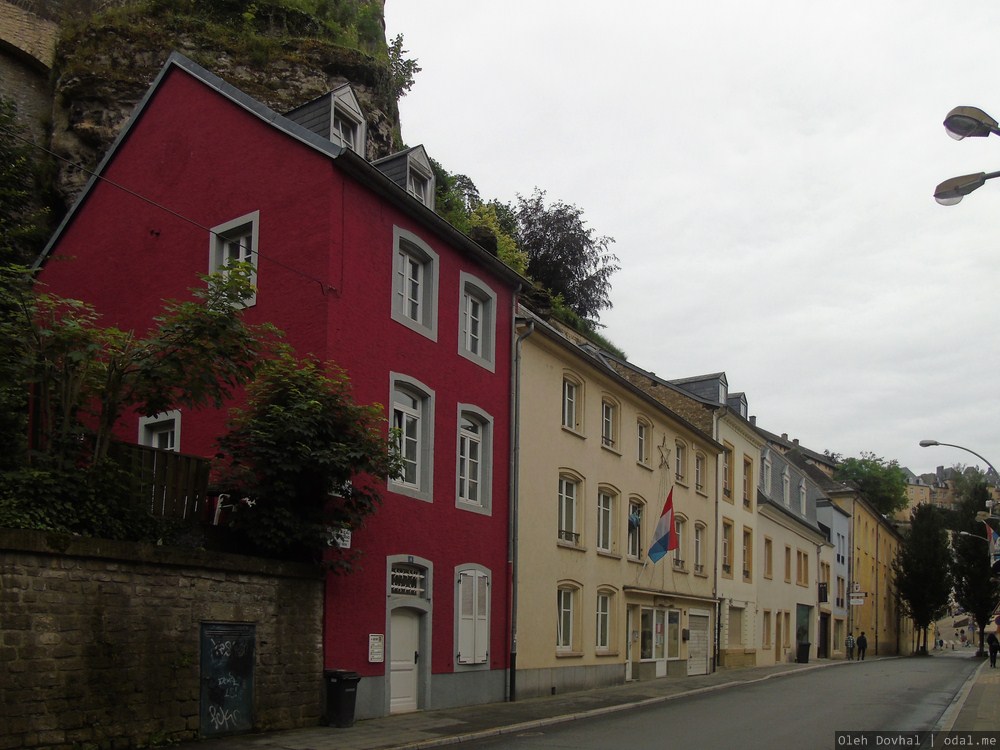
<point x="703" y="493"/>
<point x="569" y="545"/>
<point x="611" y="449"/>
<point x="599" y="654"/>
<point x="569" y="654"/>
<point x="644" y="465"/>
<point x="573" y="432"/>
<point x="608" y="554"/>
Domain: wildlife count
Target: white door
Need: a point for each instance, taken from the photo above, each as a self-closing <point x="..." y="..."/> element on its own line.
<point x="698" y="644"/>
<point x="403" y="676"/>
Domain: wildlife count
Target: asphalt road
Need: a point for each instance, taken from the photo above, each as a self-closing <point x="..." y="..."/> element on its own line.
<point x="801" y="711"/>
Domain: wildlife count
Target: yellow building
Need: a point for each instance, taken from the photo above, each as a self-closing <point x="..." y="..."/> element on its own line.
<point x="874" y="606"/>
<point x="596" y="460"/>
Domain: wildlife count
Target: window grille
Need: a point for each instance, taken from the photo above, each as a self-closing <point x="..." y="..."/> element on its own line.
<point x="408" y="580"/>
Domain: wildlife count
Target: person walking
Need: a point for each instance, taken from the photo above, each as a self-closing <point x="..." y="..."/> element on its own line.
<point x="849" y="643"/>
<point x="994" y="645"/>
<point x="862" y="646"/>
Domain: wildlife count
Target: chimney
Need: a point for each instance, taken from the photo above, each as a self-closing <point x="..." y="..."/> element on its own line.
<point x="784" y="436"/>
<point x="753" y="420"/>
<point x="796" y="441"/>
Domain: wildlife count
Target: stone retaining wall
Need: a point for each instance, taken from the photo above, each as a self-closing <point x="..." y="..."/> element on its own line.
<point x="100" y="641"/>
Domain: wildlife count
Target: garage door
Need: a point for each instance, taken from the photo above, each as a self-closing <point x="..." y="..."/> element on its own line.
<point x="699" y="644"/>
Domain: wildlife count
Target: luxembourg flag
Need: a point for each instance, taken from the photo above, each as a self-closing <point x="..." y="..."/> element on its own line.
<point x="664" y="538"/>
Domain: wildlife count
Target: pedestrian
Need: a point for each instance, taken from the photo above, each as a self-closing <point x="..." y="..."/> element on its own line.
<point x="849" y="643"/>
<point x="994" y="645"/>
<point x="862" y="646"/>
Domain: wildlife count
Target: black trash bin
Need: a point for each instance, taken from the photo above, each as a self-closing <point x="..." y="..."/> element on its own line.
<point x="341" y="697"/>
<point x="802" y="653"/>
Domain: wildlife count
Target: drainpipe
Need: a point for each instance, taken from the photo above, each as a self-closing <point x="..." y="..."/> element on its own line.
<point x="512" y="549"/>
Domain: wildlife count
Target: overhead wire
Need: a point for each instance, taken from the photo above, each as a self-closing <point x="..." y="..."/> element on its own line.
<point x="325" y="288"/>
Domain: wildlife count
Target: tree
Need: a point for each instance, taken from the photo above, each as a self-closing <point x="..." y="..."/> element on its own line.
<point x="23" y="222"/>
<point x="923" y="569"/>
<point x="564" y="255"/>
<point x="83" y="376"/>
<point x="307" y="459"/>
<point x="882" y="483"/>
<point x="975" y="590"/>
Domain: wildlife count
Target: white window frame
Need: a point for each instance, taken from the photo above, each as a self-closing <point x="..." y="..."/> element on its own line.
<point x="418" y="184"/>
<point x="609" y="424"/>
<point x="414" y="293"/>
<point x="481" y="500"/>
<point x="680" y="461"/>
<point x="566" y="616"/>
<point x="423" y="482"/>
<point x="572" y="403"/>
<point x="643" y="433"/>
<point x="477" y="335"/>
<point x="635" y="549"/>
<point x="802" y="496"/>
<point x="604" y="635"/>
<point x="767" y="475"/>
<point x="569" y="509"/>
<point x="680" y="530"/>
<point x="472" y="616"/>
<point x="150" y="428"/>
<point x="241" y="234"/>
<point x="699" y="547"/>
<point x="699" y="472"/>
<point x="607" y="510"/>
<point x="786" y="487"/>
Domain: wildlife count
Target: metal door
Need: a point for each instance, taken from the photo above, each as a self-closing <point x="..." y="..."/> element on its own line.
<point x="227" y="676"/>
<point x="698" y="645"/>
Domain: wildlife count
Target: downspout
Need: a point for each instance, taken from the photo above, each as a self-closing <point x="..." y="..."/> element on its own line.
<point x="512" y="548"/>
<point x="717" y="640"/>
<point x="875" y="597"/>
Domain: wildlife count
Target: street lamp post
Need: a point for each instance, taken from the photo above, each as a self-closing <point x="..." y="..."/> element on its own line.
<point x="930" y="443"/>
<point x="991" y="503"/>
<point x="966" y="122"/>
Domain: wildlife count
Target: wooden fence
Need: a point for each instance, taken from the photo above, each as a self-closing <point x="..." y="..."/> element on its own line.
<point x="174" y="485"/>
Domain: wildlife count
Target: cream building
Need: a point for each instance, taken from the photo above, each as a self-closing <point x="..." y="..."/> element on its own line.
<point x="596" y="460"/>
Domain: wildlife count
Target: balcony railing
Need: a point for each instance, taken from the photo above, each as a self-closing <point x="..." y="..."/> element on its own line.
<point x="569" y="536"/>
<point x="169" y="484"/>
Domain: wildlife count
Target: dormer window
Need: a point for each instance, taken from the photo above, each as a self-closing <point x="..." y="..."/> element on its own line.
<point x="411" y="170"/>
<point x="417" y="185"/>
<point x="337" y="116"/>
<point x="347" y="130"/>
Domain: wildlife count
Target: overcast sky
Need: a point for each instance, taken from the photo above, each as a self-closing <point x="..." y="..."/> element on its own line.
<point x="766" y="168"/>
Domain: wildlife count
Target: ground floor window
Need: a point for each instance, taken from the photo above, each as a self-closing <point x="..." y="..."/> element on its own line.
<point x="659" y="634"/>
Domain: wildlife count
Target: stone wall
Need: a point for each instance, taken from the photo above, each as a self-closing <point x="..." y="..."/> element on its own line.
<point x="100" y="641"/>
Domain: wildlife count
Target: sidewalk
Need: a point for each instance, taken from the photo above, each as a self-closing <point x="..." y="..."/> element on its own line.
<point x="977" y="707"/>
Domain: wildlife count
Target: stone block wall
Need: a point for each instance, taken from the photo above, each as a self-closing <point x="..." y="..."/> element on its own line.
<point x="100" y="641"/>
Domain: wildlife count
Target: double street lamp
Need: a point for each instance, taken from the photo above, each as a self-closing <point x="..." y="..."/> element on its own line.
<point x="966" y="122"/>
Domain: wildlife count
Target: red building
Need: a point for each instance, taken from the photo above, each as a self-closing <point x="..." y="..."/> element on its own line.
<point x="354" y="265"/>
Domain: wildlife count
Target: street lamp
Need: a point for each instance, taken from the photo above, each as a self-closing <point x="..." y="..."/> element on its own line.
<point x="951" y="191"/>
<point x="974" y="536"/>
<point x="969" y="122"/>
<point x="929" y="443"/>
<point x="965" y="122"/>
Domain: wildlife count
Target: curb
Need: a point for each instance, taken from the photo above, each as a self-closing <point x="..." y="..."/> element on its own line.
<point x="604" y="710"/>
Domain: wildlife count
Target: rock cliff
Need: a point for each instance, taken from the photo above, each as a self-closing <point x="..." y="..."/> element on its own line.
<point x="105" y="60"/>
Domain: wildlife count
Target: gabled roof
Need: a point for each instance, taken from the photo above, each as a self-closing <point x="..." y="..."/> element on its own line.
<point x="598" y="359"/>
<point x="346" y="160"/>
